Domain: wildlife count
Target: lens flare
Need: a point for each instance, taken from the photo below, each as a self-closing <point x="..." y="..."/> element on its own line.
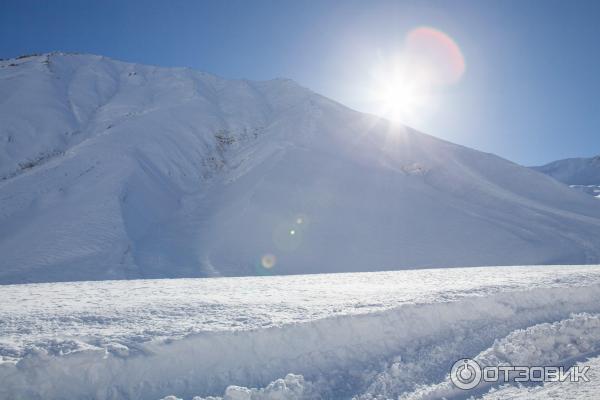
<point x="438" y="51"/>
<point x="268" y="261"/>
<point x="302" y="221"/>
<point x="405" y="86"/>
<point x="287" y="236"/>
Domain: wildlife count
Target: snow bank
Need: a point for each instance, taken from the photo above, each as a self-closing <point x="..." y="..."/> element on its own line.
<point x="546" y="344"/>
<point x="341" y="356"/>
<point x="119" y="317"/>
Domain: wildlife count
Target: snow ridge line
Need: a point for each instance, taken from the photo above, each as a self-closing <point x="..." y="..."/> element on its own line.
<point x="338" y="352"/>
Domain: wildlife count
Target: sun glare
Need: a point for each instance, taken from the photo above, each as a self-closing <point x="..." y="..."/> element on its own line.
<point x="404" y="86"/>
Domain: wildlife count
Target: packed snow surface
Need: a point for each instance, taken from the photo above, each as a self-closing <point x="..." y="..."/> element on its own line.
<point x="112" y="170"/>
<point x="366" y="336"/>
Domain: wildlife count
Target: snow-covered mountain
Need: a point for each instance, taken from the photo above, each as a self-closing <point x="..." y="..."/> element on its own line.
<point x="574" y="171"/>
<point x="582" y="174"/>
<point x="112" y="170"/>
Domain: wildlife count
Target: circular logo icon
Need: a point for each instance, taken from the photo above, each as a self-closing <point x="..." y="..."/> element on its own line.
<point x="465" y="374"/>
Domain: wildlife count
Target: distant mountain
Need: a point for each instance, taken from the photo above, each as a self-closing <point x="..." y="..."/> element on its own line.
<point x="111" y="170"/>
<point x="574" y="171"/>
<point x="582" y="174"/>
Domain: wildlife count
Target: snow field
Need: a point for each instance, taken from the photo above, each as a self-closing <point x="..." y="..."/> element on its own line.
<point x="386" y="352"/>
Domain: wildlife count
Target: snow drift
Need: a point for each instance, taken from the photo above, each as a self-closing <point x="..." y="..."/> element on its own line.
<point x="110" y="170"/>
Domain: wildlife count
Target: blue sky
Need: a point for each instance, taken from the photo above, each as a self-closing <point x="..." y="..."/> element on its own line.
<point x="530" y="91"/>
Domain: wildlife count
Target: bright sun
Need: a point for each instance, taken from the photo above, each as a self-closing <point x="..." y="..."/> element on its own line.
<point x="404" y="87"/>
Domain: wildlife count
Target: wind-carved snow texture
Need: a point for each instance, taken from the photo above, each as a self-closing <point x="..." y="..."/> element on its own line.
<point x="342" y="336"/>
<point x="116" y="171"/>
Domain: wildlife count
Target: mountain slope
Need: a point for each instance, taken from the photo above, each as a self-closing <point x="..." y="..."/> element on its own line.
<point x="114" y="170"/>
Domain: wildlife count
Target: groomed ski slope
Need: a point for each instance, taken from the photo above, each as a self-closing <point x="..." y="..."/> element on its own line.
<point x="340" y="336"/>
